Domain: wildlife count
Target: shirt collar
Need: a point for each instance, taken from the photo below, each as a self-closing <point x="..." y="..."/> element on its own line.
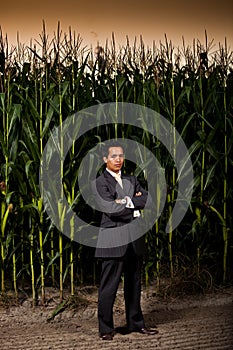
<point x="112" y="172"/>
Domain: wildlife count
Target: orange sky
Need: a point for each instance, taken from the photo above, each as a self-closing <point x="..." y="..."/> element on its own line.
<point x="95" y="22"/>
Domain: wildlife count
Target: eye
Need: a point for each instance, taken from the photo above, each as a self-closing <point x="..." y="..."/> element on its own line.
<point x="117" y="155"/>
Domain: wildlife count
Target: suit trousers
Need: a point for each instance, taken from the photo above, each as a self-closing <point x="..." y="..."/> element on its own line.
<point x="112" y="270"/>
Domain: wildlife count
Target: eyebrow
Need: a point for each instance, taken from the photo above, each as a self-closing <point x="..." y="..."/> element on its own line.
<point x="116" y="154"/>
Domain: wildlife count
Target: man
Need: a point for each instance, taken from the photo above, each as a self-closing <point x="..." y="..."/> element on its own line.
<point x="121" y="199"/>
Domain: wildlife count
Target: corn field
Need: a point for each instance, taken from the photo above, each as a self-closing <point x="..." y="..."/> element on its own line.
<point x="41" y="85"/>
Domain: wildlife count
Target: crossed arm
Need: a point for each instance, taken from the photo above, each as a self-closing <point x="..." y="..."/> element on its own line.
<point x="109" y="204"/>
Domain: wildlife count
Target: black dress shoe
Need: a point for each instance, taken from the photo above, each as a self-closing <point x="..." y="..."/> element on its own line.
<point x="148" y="331"/>
<point x="107" y="336"/>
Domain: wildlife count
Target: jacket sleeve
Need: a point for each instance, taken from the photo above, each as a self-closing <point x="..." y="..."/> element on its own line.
<point x="105" y="202"/>
<point x="139" y="201"/>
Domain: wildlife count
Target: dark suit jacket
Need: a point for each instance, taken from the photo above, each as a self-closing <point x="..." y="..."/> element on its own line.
<point x="115" y="228"/>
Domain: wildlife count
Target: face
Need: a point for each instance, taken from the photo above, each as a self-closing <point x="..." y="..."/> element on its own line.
<point x="115" y="159"/>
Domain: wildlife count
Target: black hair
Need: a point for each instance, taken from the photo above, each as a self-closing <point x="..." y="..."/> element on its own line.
<point x="113" y="143"/>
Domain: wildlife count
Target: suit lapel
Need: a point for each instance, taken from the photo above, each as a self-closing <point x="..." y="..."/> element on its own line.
<point x="127" y="186"/>
<point x="112" y="183"/>
<point x="114" y="187"/>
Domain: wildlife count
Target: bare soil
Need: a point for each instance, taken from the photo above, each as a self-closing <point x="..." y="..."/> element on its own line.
<point x="191" y="322"/>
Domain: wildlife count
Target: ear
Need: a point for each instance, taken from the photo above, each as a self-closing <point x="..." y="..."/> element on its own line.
<point x="105" y="159"/>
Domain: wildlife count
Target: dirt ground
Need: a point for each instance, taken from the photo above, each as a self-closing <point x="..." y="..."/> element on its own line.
<point x="193" y="322"/>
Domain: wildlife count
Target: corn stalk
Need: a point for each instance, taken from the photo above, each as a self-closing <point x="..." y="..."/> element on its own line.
<point x="37" y="91"/>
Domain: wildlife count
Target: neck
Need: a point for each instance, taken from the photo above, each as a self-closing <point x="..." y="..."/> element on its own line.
<point x="113" y="173"/>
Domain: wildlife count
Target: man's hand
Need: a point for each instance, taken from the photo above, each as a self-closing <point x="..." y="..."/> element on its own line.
<point x="125" y="201"/>
<point x="121" y="201"/>
<point x="138" y="194"/>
